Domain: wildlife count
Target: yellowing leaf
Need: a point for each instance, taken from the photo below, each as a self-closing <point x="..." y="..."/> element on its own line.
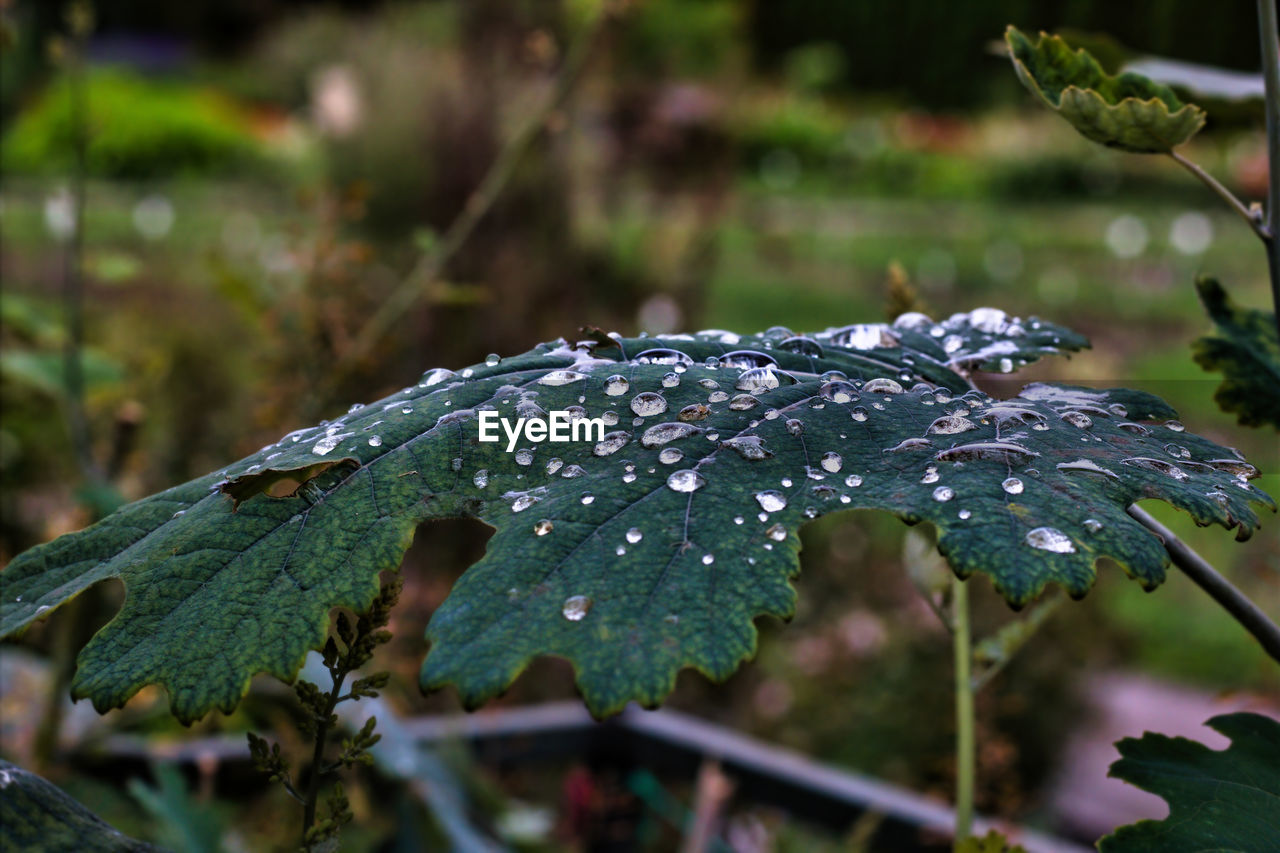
<point x="1125" y="111"/>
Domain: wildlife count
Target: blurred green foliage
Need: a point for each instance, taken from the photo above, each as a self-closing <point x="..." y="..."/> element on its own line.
<point x="931" y="53"/>
<point x="137" y="129"/>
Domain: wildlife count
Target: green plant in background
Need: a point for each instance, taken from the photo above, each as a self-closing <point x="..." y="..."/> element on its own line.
<point x="1132" y="113"/>
<point x="350" y="647"/>
<point x="139" y="129"/>
<point x="1217" y="800"/>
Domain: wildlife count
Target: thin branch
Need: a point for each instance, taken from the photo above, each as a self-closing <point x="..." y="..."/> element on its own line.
<point x="1269" y="29"/>
<point x="1024" y="629"/>
<point x="966" y="764"/>
<point x="1205" y="576"/>
<point x="1253" y="220"/>
<point x="80" y="22"/>
<point x="432" y="263"/>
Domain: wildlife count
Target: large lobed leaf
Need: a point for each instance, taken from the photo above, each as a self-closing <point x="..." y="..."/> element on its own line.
<point x="1245" y="349"/>
<point x="38" y="817"/>
<point x="651" y="550"/>
<point x="1126" y="111"/>
<point x="1226" y="800"/>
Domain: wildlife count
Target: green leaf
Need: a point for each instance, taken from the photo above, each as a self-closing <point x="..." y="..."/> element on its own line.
<point x="181" y="820"/>
<point x="39" y="817"/>
<point x="992" y="842"/>
<point x="1245" y="349"/>
<point x="646" y="551"/>
<point x="1226" y="800"/>
<point x="1126" y="111"/>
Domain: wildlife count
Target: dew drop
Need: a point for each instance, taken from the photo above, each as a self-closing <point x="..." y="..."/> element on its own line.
<point x="942" y="494"/>
<point x="634" y="535"/>
<point x="831" y="462"/>
<point x="771" y="500"/>
<point x="665" y="356"/>
<point x="523" y="502"/>
<point x="542" y="528"/>
<point x="1158" y="465"/>
<point x="561" y="377"/>
<point x="747" y="359"/>
<point x="795" y="427"/>
<point x="858" y="413"/>
<point x="616" y="386"/>
<point x="743" y="402"/>
<point x="611" y="443"/>
<point x="1012" y="485"/>
<point x="575" y="607"/>
<point x="708" y="559"/>
<point x="588" y="499"/>
<point x="696" y="412"/>
<point x="375" y="441"/>
<point x="1092" y="525"/>
<point x="492" y="359"/>
<point x="1077" y="419"/>
<point x="950" y="425"/>
<point x="435" y="377"/>
<point x="670" y="455"/>
<point x="930" y="475"/>
<point x="648" y="403"/>
<point x="686" y="480"/>
<point x="670" y="380"/>
<point x="964" y="515"/>
<point x="481" y="478"/>
<point x="882" y="386"/>
<point x="802" y="345"/>
<point x="524" y="456"/>
<point x="1174" y="425"/>
<point x="1050" y="539"/>
<point x="660" y="434"/>
<point x="853" y="481"/>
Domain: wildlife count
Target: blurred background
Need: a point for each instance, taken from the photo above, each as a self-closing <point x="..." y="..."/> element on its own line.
<point x="257" y="178"/>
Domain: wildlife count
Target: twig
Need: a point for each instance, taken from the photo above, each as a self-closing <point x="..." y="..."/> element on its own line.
<point x="1235" y="602"/>
<point x="80" y="22"/>
<point x="323" y="722"/>
<point x="965" y="748"/>
<point x="1252" y="218"/>
<point x="1268" y="28"/>
<point x="432" y="262"/>
<point x="1024" y="630"/>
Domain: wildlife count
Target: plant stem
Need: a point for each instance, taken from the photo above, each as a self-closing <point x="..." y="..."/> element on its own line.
<point x="1219" y="588"/>
<point x="432" y="263"/>
<point x="1270" y="32"/>
<point x="73" y="256"/>
<point x="317" y="755"/>
<point x="1223" y="193"/>
<point x="965" y="757"/>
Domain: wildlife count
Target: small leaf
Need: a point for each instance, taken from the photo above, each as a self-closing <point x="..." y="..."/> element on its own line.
<point x="37" y="816"/>
<point x="1246" y="350"/>
<point x="992" y="842"/>
<point x="1125" y="111"/>
<point x="650" y="548"/>
<point x="1224" y="800"/>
